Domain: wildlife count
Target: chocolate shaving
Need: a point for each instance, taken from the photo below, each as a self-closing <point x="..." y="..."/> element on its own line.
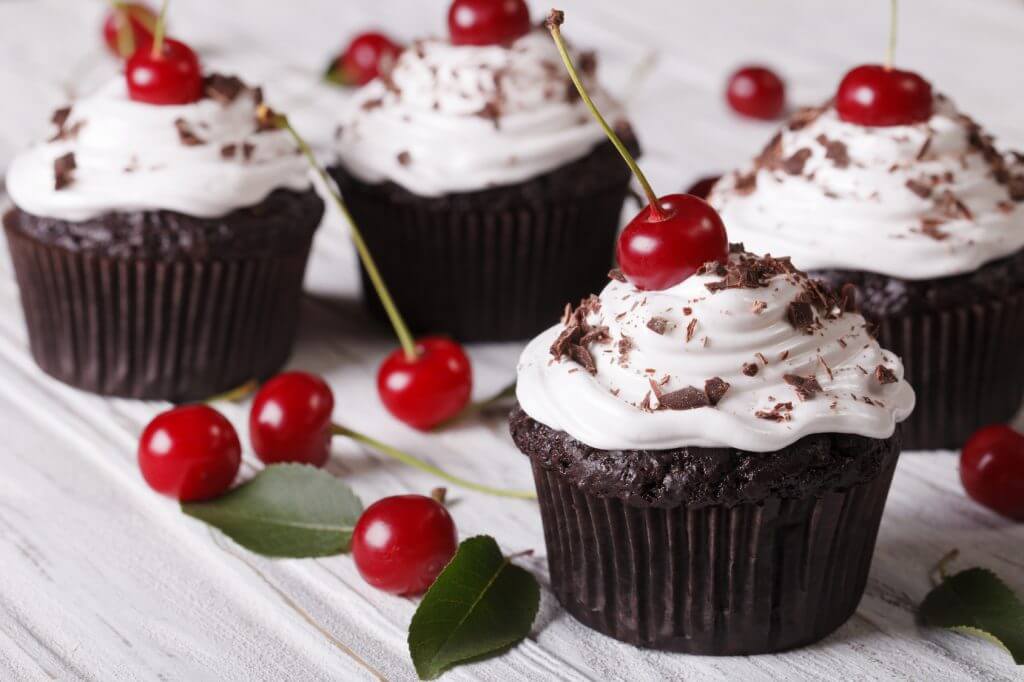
<point x="750" y="369"/>
<point x="223" y="89"/>
<point x="690" y="328"/>
<point x="228" y="151"/>
<point x="758" y="307"/>
<point x="794" y="165"/>
<point x="572" y="342"/>
<point x="624" y="346"/>
<point x="745" y="183"/>
<point x="780" y="413"/>
<point x="688" y="398"/>
<point x="884" y="375"/>
<point x="715" y="388"/>
<point x="805" y="116"/>
<point x="835" y="151"/>
<point x="404" y="158"/>
<point x="924" y="148"/>
<point x="658" y="325"/>
<point x="63" y="170"/>
<point x="582" y="356"/>
<point x="492" y="112"/>
<point x="186" y="135"/>
<point x="930" y="228"/>
<point x="805" y="387"/>
<point x="950" y="205"/>
<point x="616" y="275"/>
<point x="60" y="119"/>
<point x="801" y="316"/>
<point x="919" y="188"/>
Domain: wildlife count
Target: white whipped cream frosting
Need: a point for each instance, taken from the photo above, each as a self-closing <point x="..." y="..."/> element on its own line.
<point x="453" y="119"/>
<point x="862" y="214"/>
<point x="129" y="156"/>
<point x="616" y="408"/>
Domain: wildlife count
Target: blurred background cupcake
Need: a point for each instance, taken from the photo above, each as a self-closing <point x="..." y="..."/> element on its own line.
<point x="160" y="236"/>
<point x="910" y="201"/>
<point x="485" y="191"/>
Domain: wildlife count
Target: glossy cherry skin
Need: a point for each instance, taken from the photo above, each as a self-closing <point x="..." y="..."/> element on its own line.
<point x="657" y="254"/>
<point x="141" y="20"/>
<point x="488" y="22"/>
<point x="756" y="92"/>
<point x="172" y="77"/>
<point x="702" y="187"/>
<point x="992" y="470"/>
<point x="190" y="453"/>
<point x="401" y="544"/>
<point x="872" y="95"/>
<point x="290" y="420"/>
<point x="366" y="57"/>
<point x="429" y="390"/>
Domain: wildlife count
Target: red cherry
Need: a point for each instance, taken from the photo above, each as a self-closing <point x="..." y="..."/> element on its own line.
<point x="401" y="544"/>
<point x="141" y="22"/>
<point x="488" y="22"/>
<point x="756" y="92"/>
<point x="171" y="77"/>
<point x="702" y="187"/>
<point x="992" y="470"/>
<point x="873" y="95"/>
<point x="190" y="453"/>
<point x="657" y="254"/>
<point x="366" y="57"/>
<point x="290" y="420"/>
<point x="430" y="389"/>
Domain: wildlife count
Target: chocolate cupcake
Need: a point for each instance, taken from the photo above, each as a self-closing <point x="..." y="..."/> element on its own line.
<point x="160" y="250"/>
<point x="712" y="460"/>
<point x="926" y="219"/>
<point x="487" y="193"/>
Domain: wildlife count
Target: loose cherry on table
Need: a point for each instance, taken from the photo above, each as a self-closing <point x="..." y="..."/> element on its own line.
<point x="879" y="96"/>
<point x="430" y="388"/>
<point x="756" y="92"/>
<point x="124" y="38"/>
<point x="366" y="57"/>
<point x="488" y="22"/>
<point x="702" y="187"/>
<point x="190" y="453"/>
<point x="401" y="544"/>
<point x="992" y="470"/>
<point x="290" y="420"/>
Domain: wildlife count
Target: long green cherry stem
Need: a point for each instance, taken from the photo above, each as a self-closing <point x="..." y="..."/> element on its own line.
<point x="893" y="21"/>
<point x="554" y="25"/>
<point x="416" y="463"/>
<point x="401" y="331"/>
<point x="158" y="33"/>
<point x="125" y="34"/>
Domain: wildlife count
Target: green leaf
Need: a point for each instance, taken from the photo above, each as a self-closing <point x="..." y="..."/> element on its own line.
<point x="977" y="602"/>
<point x="481" y="604"/>
<point x="287" y="510"/>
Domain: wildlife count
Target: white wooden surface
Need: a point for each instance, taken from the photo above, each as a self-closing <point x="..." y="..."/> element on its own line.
<point x="101" y="579"/>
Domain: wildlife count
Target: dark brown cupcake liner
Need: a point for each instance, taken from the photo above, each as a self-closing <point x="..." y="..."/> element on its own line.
<point x="157" y="329"/>
<point x="487" y="274"/>
<point x="966" y="365"/>
<point x="713" y="580"/>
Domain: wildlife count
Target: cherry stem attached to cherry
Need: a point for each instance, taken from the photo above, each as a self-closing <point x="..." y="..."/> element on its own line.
<point x="160" y="30"/>
<point x="416" y="463"/>
<point x="554" y="24"/>
<point x="893" y="21"/>
<point x="125" y="32"/>
<point x="940" y="570"/>
<point x="405" y="338"/>
<point x="235" y="395"/>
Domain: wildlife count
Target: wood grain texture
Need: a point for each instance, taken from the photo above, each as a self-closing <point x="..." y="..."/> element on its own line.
<point x="102" y="579"/>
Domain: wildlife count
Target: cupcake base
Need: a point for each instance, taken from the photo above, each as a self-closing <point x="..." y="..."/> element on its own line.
<point x="960" y="342"/>
<point x="708" y="577"/>
<point x="163" y="306"/>
<point x="498" y="264"/>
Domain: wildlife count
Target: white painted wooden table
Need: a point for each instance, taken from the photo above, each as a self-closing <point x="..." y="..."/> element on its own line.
<point x="102" y="579"/>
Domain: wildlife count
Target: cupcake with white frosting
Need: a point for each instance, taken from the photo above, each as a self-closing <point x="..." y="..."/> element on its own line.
<point x="712" y="459"/>
<point x="488" y="194"/>
<point x="160" y="249"/>
<point x="926" y="218"/>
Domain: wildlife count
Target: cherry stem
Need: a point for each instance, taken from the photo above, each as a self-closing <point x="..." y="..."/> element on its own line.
<point x="416" y="463"/>
<point x="893" y="20"/>
<point x="237" y="394"/>
<point x="554" y="23"/>
<point x="481" y="405"/>
<point x="942" y="565"/>
<point x="401" y="331"/>
<point x="158" y="34"/>
<point x="125" y="34"/>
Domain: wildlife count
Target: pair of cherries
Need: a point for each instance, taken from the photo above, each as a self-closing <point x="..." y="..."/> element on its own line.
<point x="400" y="544"/>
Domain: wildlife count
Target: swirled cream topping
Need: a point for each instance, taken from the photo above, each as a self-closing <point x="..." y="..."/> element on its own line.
<point x="453" y="119"/>
<point x="110" y="153"/>
<point x="752" y="355"/>
<point x="921" y="201"/>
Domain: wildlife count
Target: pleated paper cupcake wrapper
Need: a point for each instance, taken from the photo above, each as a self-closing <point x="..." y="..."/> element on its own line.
<point x="966" y="366"/>
<point x="481" y="275"/>
<point x="750" y="579"/>
<point x="167" y="330"/>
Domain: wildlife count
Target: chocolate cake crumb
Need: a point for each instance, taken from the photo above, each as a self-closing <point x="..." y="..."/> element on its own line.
<point x="658" y="325"/>
<point x="63" y="170"/>
<point x="688" y="398"/>
<point x="715" y="388"/>
<point x="885" y="375"/>
<point x="750" y="369"/>
<point x="616" y="274"/>
<point x="805" y="387"/>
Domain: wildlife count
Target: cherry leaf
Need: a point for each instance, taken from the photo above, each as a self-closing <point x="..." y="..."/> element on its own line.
<point x="481" y="604"/>
<point x="286" y="510"/>
<point x="977" y="602"/>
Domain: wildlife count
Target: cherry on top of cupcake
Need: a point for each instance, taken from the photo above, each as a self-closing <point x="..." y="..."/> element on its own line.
<point x="674" y="235"/>
<point x="368" y="56"/>
<point x="127" y="26"/>
<point x="164" y="72"/>
<point x="881" y="96"/>
<point x="488" y="22"/>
